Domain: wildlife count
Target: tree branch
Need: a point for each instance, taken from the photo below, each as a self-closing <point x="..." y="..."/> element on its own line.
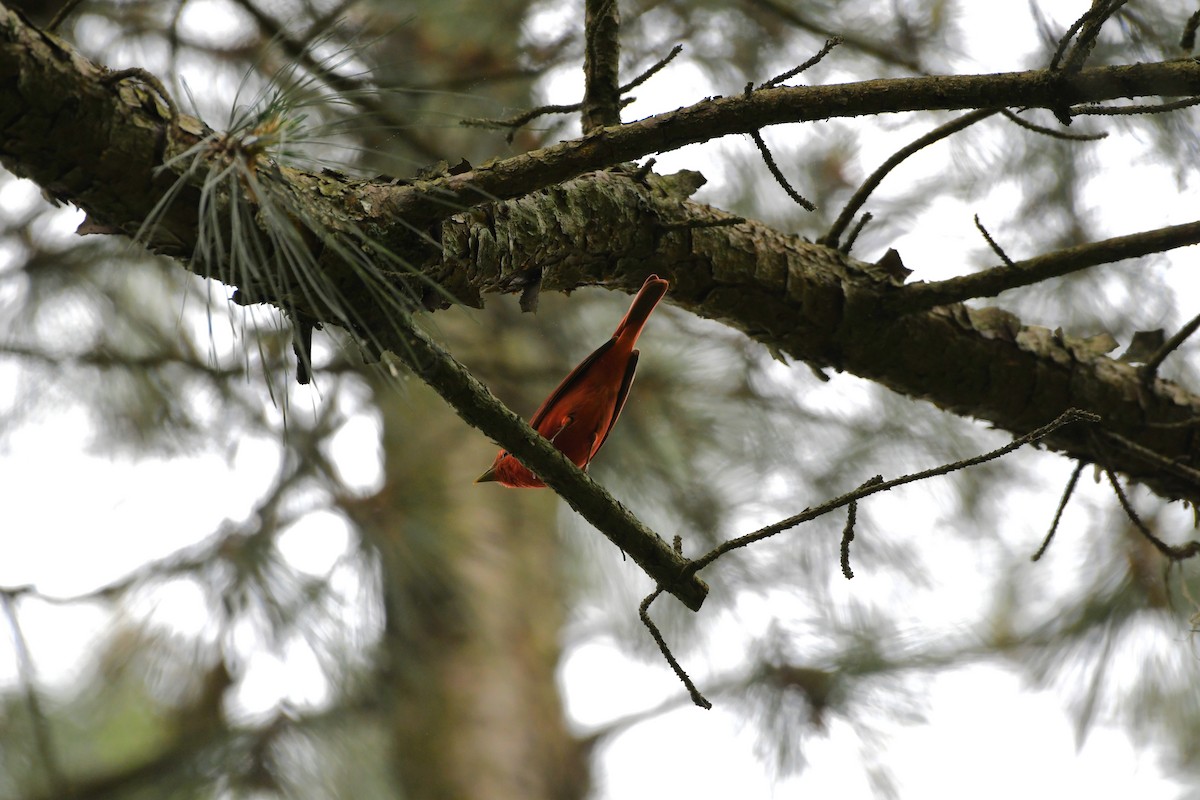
<point x="480" y="408"/>
<point x="991" y="282"/>
<point x="601" y="65"/>
<point x="711" y="119"/>
<point x="877" y="484"/>
<point x="834" y="234"/>
<point x="46" y="78"/>
<point x="803" y="300"/>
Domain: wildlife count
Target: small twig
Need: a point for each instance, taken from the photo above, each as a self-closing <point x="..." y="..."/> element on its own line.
<point x="1190" y="474"/>
<point x="644" y="614"/>
<point x="1173" y="552"/>
<point x="868" y="186"/>
<point x="644" y="170"/>
<point x="1188" y="40"/>
<point x="148" y="78"/>
<point x="997" y="249"/>
<point x="848" y="245"/>
<point x="778" y="175"/>
<point x="522" y="119"/>
<point x="514" y="124"/>
<point x="847" y="538"/>
<point x="848" y="531"/>
<point x="37" y="717"/>
<point x="62" y="14"/>
<point x="791" y="73"/>
<point x="1194" y="422"/>
<point x="924" y="296"/>
<point x="1062" y="504"/>
<point x="519" y="121"/>
<point x="1065" y="40"/>
<point x="1066" y="418"/>
<point x="1088" y="27"/>
<point x="1020" y="121"/>
<point x="1143" y="108"/>
<point x="1152" y="364"/>
<point x="648" y="74"/>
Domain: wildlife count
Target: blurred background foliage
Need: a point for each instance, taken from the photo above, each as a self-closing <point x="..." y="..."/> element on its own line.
<point x="317" y="602"/>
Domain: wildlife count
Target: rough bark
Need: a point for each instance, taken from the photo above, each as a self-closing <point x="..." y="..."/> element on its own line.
<point x="60" y="120"/>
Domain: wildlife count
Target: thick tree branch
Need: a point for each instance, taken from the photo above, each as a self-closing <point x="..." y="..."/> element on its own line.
<point x="804" y="300"/>
<point x="711" y="119"/>
<point x="817" y="305"/>
<point x="27" y="54"/>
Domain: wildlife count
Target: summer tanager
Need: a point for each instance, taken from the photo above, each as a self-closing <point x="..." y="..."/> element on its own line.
<point x="578" y="416"/>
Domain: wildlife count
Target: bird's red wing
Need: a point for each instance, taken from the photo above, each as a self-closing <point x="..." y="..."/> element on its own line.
<point x="622" y="396"/>
<point x="573" y="378"/>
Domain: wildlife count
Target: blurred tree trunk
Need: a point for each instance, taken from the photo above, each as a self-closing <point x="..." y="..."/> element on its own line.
<point x="473" y="606"/>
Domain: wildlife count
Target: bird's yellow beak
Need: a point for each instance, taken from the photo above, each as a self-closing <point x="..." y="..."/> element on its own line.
<point x="490" y="475"/>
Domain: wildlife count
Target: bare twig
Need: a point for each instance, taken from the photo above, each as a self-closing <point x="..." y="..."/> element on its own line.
<point x="1190" y="474"/>
<point x="847" y="538"/>
<point x="791" y="73"/>
<point x="997" y="249"/>
<point x="870" y="487"/>
<point x="1152" y="364"/>
<point x="800" y="200"/>
<point x="1188" y="40"/>
<point x="148" y="78"/>
<point x="848" y="531"/>
<point x="1062" y="504"/>
<point x="656" y="634"/>
<point x="1142" y="108"/>
<point x="848" y="245"/>
<point x="1173" y="552"/>
<point x="61" y="15"/>
<point x="1066" y="418"/>
<point x="519" y="121"/>
<point x="648" y="74"/>
<point x="1020" y="121"/>
<point x="601" y="65"/>
<point x="1088" y="27"/>
<point x="924" y="296"/>
<point x="1065" y="40"/>
<point x="1194" y="422"/>
<point x="864" y="191"/>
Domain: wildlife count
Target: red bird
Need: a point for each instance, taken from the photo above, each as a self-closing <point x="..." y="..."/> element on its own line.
<point x="578" y="416"/>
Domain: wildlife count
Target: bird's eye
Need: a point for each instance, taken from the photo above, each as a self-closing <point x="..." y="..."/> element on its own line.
<point x="504" y="454"/>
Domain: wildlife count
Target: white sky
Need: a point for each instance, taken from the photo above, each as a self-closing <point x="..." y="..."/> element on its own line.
<point x="986" y="735"/>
